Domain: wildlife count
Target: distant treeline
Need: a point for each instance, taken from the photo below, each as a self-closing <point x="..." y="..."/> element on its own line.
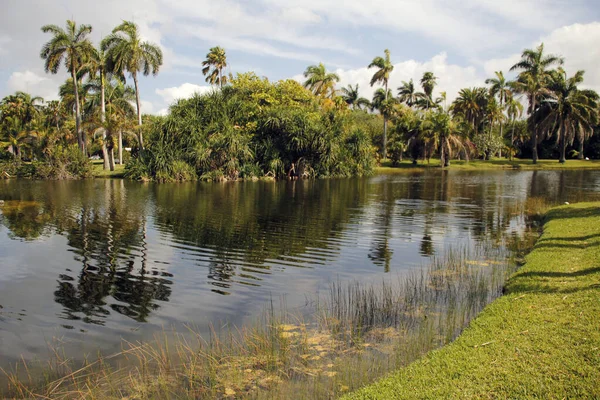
<point x="249" y="127"/>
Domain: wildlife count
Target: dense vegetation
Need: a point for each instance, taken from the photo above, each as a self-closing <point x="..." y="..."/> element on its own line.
<point x="249" y="127"/>
<point x="253" y="128"/>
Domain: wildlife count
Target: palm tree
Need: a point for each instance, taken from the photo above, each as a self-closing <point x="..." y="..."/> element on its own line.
<point x="408" y="95"/>
<point x="22" y="105"/>
<point x="74" y="47"/>
<point x="54" y="113"/>
<point x="533" y="80"/>
<point x="127" y="52"/>
<point x="443" y="133"/>
<point x="471" y="105"/>
<point x="494" y="115"/>
<point x="319" y="81"/>
<point x="500" y="87"/>
<point x="118" y="102"/>
<point x="382" y="75"/>
<point x="384" y="103"/>
<point x="568" y="110"/>
<point x="97" y="68"/>
<point x="514" y="109"/>
<point x="428" y="82"/>
<point x="352" y="97"/>
<point x="216" y="61"/>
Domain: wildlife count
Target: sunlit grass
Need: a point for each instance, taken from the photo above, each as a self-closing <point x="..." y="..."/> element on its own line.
<point x="498" y="163"/>
<point x="100" y="172"/>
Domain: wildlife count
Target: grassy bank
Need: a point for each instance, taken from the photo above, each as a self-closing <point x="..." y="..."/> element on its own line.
<point x="499" y="163"/>
<point x="99" y="172"/>
<point x="540" y="340"/>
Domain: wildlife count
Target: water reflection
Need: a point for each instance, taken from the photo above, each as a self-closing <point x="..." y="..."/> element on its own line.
<point x="108" y="249"/>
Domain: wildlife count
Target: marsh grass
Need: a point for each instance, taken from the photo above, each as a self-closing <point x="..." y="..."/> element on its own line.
<point x="354" y="334"/>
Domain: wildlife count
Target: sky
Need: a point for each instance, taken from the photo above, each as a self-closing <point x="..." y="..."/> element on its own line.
<point x="462" y="41"/>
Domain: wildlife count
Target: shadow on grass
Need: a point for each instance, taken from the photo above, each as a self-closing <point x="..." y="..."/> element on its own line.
<point x="574" y="212"/>
<point x="552" y="245"/>
<point x="575" y="274"/>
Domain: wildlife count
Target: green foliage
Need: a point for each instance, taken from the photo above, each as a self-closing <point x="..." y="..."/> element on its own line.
<point x="488" y="144"/>
<point x="255" y="128"/>
<point x="61" y="163"/>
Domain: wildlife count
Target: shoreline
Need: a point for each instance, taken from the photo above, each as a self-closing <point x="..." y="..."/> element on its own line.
<point x="494" y="164"/>
<point x="539" y="340"/>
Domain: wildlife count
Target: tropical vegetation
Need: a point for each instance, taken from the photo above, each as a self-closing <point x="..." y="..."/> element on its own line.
<point x="249" y="127"/>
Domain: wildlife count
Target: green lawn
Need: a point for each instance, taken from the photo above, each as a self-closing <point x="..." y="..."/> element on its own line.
<point x="101" y="173"/>
<point x="498" y="163"/>
<point x="540" y="340"/>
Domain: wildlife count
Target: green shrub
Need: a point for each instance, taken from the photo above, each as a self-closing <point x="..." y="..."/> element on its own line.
<point x="136" y="168"/>
<point x="178" y="171"/>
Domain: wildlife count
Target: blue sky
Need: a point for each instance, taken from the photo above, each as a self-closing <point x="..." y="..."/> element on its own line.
<point x="462" y="42"/>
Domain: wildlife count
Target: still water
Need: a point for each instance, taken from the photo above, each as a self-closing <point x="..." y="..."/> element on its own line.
<point x="85" y="264"/>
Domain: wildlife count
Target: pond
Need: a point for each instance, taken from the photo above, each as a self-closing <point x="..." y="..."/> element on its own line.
<point x="89" y="263"/>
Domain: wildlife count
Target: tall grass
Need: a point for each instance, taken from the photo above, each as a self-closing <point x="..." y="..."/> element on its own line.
<point x="354" y="334"/>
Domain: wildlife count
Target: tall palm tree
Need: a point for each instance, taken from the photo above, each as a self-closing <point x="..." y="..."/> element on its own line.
<point x="494" y="115"/>
<point x="72" y="46"/>
<point x="98" y="68"/>
<point x="514" y="110"/>
<point x="502" y="88"/>
<point x="319" y="81"/>
<point x="352" y="97"/>
<point x="118" y="108"/>
<point x="428" y="82"/>
<point x="384" y="103"/>
<point x="216" y="61"/>
<point x="127" y="52"/>
<point x="567" y="109"/>
<point x="382" y="75"/>
<point x="408" y="95"/>
<point x="533" y="80"/>
<point x="118" y="103"/>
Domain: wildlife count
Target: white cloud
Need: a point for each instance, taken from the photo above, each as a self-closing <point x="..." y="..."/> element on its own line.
<point x="577" y="43"/>
<point x="30" y="82"/>
<point x="147" y="107"/>
<point x="184" y="91"/>
<point x="467" y="26"/>
<point x="451" y="78"/>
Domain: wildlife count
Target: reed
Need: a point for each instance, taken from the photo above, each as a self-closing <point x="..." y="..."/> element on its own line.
<point x="347" y="338"/>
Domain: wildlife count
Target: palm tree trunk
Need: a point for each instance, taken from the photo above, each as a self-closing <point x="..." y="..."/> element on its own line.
<point x="120" y="147"/>
<point x="563" y="145"/>
<point x="501" y="137"/>
<point x="447" y="153"/>
<point x="385" y="125"/>
<point x="111" y="159"/>
<point x="534" y="152"/>
<point x="139" y="110"/>
<point x="384" y="138"/>
<point x="580" y="155"/>
<point x="103" y="119"/>
<point x="442" y="153"/>
<point x="512" y="140"/>
<point x="77" y="112"/>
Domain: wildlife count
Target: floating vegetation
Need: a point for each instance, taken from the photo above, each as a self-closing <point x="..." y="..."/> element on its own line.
<point x="354" y="334"/>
